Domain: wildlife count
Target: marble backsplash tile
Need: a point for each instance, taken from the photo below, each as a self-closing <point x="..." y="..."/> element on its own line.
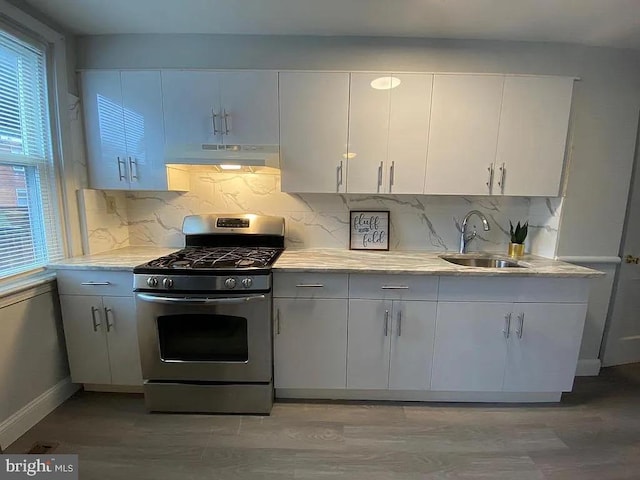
<point x="418" y="222"/>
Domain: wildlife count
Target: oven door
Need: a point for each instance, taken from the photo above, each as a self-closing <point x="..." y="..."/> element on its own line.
<point x="205" y="338"/>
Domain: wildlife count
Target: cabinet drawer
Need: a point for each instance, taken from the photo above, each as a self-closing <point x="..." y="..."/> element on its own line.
<point x="405" y="287"/>
<point x="491" y="289"/>
<point x="310" y="285"/>
<point x="95" y="282"/>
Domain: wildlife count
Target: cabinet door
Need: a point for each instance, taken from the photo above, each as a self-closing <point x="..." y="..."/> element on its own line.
<point x="191" y="99"/>
<point x="250" y="101"/>
<point x="85" y="338"/>
<point x="144" y="129"/>
<point x="408" y="133"/>
<point x="369" y="344"/>
<point x="314" y="115"/>
<point x="310" y="343"/>
<point x="470" y="346"/>
<point x="465" y="113"/>
<point x="368" y="133"/>
<point x="544" y="346"/>
<point x="122" y="338"/>
<point x="412" y="334"/>
<point x="533" y="133"/>
<point x="104" y="126"/>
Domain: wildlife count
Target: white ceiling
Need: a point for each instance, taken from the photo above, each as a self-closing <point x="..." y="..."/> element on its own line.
<point x="614" y="23"/>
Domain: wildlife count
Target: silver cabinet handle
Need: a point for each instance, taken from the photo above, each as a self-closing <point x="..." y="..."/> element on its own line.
<point x="503" y="171"/>
<point x="226" y="116"/>
<point x="490" y="181"/>
<point x="95" y="284"/>
<point x="133" y="163"/>
<point x="106" y="317"/>
<point x="392" y="175"/>
<point x="400" y="323"/>
<point x="339" y="177"/>
<point x="96" y="323"/>
<point x="379" y="177"/>
<point x="278" y="321"/>
<point x="520" y="329"/>
<point x="507" y="325"/>
<point x="310" y="285"/>
<point x="394" y="287"/>
<point x="121" y="175"/>
<point x="213" y="119"/>
<point x="386" y="323"/>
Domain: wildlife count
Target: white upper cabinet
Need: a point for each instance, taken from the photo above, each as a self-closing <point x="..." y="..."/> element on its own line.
<point x="314" y="115"/>
<point x="408" y="133"/>
<point x="192" y="113"/>
<point x="532" y="136"/>
<point x="144" y="129"/>
<point x="465" y="116"/>
<point x="104" y="129"/>
<point x="125" y="131"/>
<point x="220" y="107"/>
<point x="368" y="133"/>
<point x="388" y="128"/>
<point x="249" y="102"/>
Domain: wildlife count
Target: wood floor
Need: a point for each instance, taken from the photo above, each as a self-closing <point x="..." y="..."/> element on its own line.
<point x="593" y="434"/>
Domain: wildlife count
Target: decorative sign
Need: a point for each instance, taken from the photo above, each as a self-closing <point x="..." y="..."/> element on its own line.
<point x="369" y="230"/>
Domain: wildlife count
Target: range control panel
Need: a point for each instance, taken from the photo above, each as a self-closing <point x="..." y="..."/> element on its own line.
<point x="232" y="223"/>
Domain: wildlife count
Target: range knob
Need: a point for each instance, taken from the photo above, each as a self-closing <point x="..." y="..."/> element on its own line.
<point x="152" y="282"/>
<point x="230" y="282"/>
<point x="167" y="283"/>
<point x="247" y="282"/>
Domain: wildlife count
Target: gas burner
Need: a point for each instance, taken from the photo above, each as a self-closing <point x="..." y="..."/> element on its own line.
<point x="180" y="264"/>
<point x="216" y="258"/>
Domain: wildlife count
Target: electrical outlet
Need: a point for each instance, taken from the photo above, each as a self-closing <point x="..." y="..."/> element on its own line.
<point x="111" y="204"/>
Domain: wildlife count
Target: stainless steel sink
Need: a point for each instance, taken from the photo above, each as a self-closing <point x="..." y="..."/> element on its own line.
<point x="482" y="261"/>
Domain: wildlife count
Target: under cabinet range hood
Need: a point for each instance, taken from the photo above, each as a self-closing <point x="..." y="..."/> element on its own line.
<point x="226" y="157"/>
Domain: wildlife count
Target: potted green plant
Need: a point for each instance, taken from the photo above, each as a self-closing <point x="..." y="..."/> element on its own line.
<point x="518" y="236"/>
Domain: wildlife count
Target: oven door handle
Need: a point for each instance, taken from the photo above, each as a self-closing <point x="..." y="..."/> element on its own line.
<point x="198" y="301"/>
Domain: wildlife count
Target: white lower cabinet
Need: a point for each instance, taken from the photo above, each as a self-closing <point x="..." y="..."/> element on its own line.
<point x="470" y="346"/>
<point x="543" y="346"/>
<point x="102" y="340"/>
<point x="508" y="347"/>
<point x="310" y="343"/>
<point x="390" y="344"/>
<point x="412" y="337"/>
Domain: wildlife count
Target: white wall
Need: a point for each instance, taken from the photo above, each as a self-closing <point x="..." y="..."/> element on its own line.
<point x="33" y="359"/>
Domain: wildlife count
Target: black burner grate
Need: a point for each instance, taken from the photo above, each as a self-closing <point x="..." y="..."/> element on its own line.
<point x="217" y="258"/>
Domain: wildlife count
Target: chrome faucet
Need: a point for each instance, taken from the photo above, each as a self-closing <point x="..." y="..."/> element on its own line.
<point x="464" y="238"/>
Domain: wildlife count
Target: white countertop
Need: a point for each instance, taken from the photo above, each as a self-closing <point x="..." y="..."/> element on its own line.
<point x="120" y="259"/>
<point x="342" y="261"/>
<point x="416" y="262"/>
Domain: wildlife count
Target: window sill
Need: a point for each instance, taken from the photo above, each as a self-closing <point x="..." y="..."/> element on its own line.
<point x="19" y="283"/>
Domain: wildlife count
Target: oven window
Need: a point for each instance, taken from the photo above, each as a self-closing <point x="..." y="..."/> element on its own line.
<point x="203" y="338"/>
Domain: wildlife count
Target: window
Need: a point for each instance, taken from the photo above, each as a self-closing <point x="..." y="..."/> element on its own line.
<point x="30" y="234"/>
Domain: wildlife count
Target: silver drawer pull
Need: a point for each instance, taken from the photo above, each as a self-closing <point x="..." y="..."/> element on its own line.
<point x="96" y="284"/>
<point x="395" y="287"/>
<point x="310" y="285"/>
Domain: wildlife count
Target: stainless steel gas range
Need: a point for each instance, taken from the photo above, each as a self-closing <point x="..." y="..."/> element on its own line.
<point x="204" y="317"/>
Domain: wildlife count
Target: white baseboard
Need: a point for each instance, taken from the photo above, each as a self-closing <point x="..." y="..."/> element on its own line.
<point x="95" y="387"/>
<point x="24" y="419"/>
<point x="418" y="396"/>
<point x="589" y="367"/>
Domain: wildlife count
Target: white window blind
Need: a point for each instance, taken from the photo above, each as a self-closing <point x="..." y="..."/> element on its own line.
<point x="30" y="233"/>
